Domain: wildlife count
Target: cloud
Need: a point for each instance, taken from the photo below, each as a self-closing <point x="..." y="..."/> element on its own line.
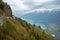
<point x="39" y="2"/>
<point x="49" y="5"/>
<point x="17" y="4"/>
<point x="26" y="6"/>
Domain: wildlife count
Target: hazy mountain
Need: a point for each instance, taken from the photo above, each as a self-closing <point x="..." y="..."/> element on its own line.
<point x="13" y="28"/>
<point x="51" y="20"/>
<point x="44" y="17"/>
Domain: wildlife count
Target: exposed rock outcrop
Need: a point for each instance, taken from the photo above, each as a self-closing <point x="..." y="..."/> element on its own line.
<point x="1" y="20"/>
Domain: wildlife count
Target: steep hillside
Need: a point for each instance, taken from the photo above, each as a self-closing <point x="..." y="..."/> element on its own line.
<point x="13" y="28"/>
<point x="17" y="29"/>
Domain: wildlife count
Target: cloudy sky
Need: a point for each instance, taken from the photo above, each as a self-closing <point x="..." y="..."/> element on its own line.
<point x="26" y="6"/>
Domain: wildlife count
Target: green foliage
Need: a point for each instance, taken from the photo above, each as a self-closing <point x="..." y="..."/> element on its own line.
<point x="5" y="9"/>
<point x="39" y="26"/>
<point x="0" y="0"/>
<point x="1" y="6"/>
<point x="15" y="31"/>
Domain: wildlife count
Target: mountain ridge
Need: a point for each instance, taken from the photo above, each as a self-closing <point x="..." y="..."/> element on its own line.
<point x="47" y="16"/>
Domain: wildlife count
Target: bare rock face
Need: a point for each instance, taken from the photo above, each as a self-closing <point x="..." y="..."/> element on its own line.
<point x="1" y="20"/>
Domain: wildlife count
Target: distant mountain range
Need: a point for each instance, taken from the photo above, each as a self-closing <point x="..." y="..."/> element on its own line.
<point x="51" y="18"/>
<point x="44" y="17"/>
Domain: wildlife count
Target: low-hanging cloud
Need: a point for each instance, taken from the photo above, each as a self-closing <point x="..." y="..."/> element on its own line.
<point x="30" y="5"/>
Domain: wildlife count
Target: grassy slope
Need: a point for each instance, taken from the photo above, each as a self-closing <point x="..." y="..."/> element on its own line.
<point x="17" y="29"/>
